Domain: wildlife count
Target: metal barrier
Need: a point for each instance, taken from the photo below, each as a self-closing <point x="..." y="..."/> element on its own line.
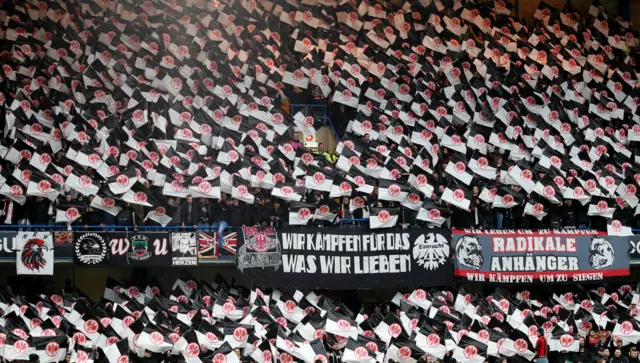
<point x="58" y="227"/>
<point x="353" y="220"/>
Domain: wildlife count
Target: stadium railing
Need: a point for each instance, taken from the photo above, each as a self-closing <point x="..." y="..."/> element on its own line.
<point x="58" y="227"/>
<point x="64" y="227"/>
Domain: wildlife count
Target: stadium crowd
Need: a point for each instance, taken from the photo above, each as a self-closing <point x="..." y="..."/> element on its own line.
<point x="461" y="115"/>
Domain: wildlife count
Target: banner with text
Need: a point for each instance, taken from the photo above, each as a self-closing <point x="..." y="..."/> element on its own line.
<point x="525" y="256"/>
<point x="8" y="244"/>
<point x="350" y="258"/>
<point x="139" y="249"/>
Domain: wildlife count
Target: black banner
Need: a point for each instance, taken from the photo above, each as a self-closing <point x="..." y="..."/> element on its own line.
<point x="90" y="248"/>
<point x="139" y="249"/>
<point x="350" y="258"/>
<point x="8" y="244"/>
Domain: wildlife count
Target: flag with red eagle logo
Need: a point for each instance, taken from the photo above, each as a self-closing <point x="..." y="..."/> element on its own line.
<point x="34" y="253"/>
<point x="627" y="329"/>
<point x="430" y="341"/>
<point x="389" y="328"/>
<point x="156" y="338"/>
<point x="189" y="346"/>
<point x="224" y="354"/>
<point x="457" y="194"/>
<point x="341" y="325"/>
<point x="117" y="352"/>
<point x="470" y="350"/>
<point x="301" y="213"/>
<point x="314" y="352"/>
<point x="392" y="190"/>
<point x="433" y="213"/>
<point x="311" y="326"/>
<point x="237" y="335"/>
<point x="458" y="168"/>
<point x="121" y="183"/>
<point x="265" y="352"/>
<point x="227" y="307"/>
<point x="51" y="348"/>
<point x="562" y="340"/>
<point x="69" y="212"/>
<point x="381" y="217"/>
<point x="81" y="354"/>
<point x="403" y="350"/>
<point x="209" y="336"/>
<point x="360" y="352"/>
<point x="240" y="190"/>
<point x="518" y="343"/>
<point x="17" y="347"/>
<point x="318" y="178"/>
<point x="41" y="185"/>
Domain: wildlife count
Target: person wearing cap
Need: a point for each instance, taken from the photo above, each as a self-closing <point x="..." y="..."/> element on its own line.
<point x="542" y="348"/>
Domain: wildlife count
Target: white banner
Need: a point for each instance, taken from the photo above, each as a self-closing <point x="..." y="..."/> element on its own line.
<point x="34" y="254"/>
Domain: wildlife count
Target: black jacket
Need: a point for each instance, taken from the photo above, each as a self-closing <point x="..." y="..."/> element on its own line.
<point x="262" y="213"/>
<point x="126" y="217"/>
<point x="220" y="211"/>
<point x="614" y="359"/>
<point x="236" y="217"/>
<point x="461" y="218"/>
<point x="204" y="213"/>
<point x="39" y="211"/>
<point x="581" y="216"/>
<point x="190" y="219"/>
<point x="93" y="218"/>
<point x="569" y="216"/>
<point x="282" y="214"/>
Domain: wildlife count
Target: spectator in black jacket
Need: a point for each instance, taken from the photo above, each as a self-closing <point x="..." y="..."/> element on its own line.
<point x="39" y="210"/>
<point x="460" y="218"/>
<point x="220" y="216"/>
<point x="582" y="355"/>
<point x="569" y="220"/>
<point x="555" y="216"/>
<point x="486" y="215"/>
<point x="93" y="217"/>
<point x="109" y="219"/>
<point x="633" y="356"/>
<point x="279" y="217"/>
<point x="126" y="217"/>
<point x="618" y="357"/>
<point x="236" y="217"/>
<point x="263" y="211"/>
<point x="204" y="213"/>
<point x="190" y="214"/>
<point x="582" y="218"/>
<point x="176" y="219"/>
